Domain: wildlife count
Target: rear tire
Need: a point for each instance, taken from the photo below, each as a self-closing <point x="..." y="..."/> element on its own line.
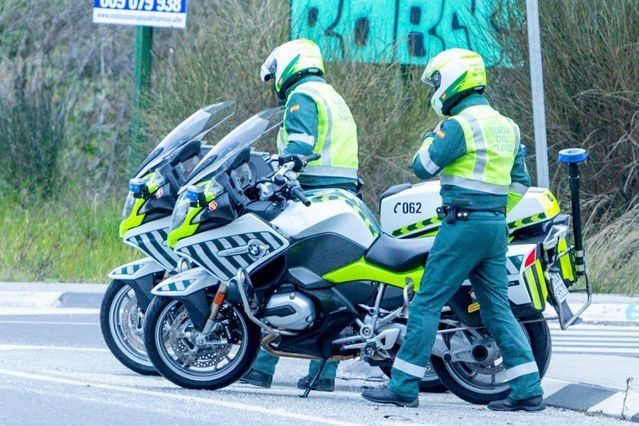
<point x="541" y="345"/>
<point x="123" y="339"/>
<point x="170" y="352"/>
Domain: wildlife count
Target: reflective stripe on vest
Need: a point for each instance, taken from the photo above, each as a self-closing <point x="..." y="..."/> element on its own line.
<point x="492" y="141"/>
<point x="337" y="133"/>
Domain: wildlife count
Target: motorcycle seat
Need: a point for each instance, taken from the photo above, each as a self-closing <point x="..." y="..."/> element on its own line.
<point x="397" y="254"/>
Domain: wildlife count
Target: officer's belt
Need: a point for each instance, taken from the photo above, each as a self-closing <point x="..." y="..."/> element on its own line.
<point x="454" y="213"/>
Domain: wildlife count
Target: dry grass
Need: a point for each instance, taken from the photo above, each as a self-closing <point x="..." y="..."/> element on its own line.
<point x="613" y="255"/>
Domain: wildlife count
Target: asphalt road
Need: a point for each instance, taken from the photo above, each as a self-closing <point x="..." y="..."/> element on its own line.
<point x="55" y="369"/>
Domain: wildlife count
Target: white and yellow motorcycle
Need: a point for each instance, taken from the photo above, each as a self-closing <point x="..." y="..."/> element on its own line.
<point x="314" y="275"/>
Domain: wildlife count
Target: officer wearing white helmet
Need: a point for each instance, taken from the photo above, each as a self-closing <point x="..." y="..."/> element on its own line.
<point x="317" y="120"/>
<point x="478" y="155"/>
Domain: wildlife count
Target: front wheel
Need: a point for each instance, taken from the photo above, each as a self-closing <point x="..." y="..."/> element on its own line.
<point x="484" y="382"/>
<point x="193" y="360"/>
<point x="121" y="322"/>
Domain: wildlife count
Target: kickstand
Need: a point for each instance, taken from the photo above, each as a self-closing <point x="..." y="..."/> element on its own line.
<point x="311" y="383"/>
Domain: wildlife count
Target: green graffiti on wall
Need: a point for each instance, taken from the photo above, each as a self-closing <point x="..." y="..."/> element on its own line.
<point x="404" y="31"/>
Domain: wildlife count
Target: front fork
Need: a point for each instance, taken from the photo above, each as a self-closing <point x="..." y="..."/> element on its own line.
<point x="219" y="298"/>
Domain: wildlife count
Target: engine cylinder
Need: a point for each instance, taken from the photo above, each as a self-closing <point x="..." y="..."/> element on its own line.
<point x="290" y="311"/>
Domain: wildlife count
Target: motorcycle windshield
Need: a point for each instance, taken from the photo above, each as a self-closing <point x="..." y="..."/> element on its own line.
<point x="243" y="136"/>
<point x="193" y="128"/>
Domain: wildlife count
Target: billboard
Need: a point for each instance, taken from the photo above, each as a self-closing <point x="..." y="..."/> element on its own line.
<point x="404" y="31"/>
<point x="149" y="13"/>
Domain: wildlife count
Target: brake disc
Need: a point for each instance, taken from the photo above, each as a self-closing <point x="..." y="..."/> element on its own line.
<point x="130" y="324"/>
<point x="187" y="351"/>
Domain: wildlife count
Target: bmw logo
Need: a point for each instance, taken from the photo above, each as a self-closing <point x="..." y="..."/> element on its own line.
<point x="254" y="249"/>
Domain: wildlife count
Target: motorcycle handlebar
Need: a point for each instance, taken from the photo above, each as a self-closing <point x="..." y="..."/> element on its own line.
<point x="297" y="193"/>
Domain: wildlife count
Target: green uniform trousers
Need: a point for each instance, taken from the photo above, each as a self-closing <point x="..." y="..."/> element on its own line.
<point x="265" y="363"/>
<point x="473" y="249"/>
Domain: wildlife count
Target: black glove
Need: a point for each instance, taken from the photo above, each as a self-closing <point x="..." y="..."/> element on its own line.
<point x="298" y="160"/>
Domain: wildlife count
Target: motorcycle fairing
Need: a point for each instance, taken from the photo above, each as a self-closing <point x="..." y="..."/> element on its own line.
<point x="364" y="213"/>
<point x="140" y="275"/>
<point x="245" y="243"/>
<point x="331" y="211"/>
<point x="150" y="238"/>
<point x="410" y="210"/>
<point x="136" y="269"/>
<point x="185" y="283"/>
<point x="362" y="270"/>
<point x="319" y="254"/>
<point x="537" y="205"/>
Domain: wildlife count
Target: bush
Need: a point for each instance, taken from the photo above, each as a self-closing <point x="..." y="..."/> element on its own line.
<point x="613" y="255"/>
<point x="32" y="127"/>
<point x="590" y="57"/>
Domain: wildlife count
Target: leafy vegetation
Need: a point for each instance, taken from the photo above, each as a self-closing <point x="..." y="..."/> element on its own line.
<point x="75" y="241"/>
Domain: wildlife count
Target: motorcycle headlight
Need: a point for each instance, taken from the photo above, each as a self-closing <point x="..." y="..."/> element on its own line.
<point x="128" y="205"/>
<point x="180" y="211"/>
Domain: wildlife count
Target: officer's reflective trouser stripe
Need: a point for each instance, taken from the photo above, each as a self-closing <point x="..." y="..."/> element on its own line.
<point x="326" y="148"/>
<point x="522" y="370"/>
<point x="480" y="146"/>
<point x="345" y="172"/>
<point x="408" y="368"/>
<point x="427" y="162"/>
<point x="301" y="137"/>
<point x="476" y="185"/>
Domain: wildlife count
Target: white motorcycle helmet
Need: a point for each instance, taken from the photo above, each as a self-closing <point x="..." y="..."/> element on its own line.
<point x="290" y="61"/>
<point x="454" y="73"/>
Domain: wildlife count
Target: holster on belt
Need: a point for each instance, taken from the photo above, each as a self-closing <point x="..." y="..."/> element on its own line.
<point x="452" y="213"/>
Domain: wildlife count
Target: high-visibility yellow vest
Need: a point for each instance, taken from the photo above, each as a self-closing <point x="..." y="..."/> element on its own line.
<point x="492" y="141"/>
<point x="337" y="133"/>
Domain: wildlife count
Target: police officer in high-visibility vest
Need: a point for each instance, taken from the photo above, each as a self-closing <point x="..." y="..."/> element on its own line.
<point x="316" y="120"/>
<point x="477" y="152"/>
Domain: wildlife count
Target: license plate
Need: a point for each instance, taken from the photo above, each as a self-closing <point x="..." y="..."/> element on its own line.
<point x="559" y="290"/>
<point x="560" y="294"/>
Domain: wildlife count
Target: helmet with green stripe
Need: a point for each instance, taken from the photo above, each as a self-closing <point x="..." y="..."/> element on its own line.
<point x="454" y="74"/>
<point x="291" y="61"/>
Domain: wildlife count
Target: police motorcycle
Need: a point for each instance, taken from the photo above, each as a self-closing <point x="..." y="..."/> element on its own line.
<point x="145" y="222"/>
<point x="313" y="275"/>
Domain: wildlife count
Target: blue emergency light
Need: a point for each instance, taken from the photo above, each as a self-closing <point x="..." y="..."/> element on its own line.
<point x="194" y="194"/>
<point x="137" y="186"/>
<point x="573" y="155"/>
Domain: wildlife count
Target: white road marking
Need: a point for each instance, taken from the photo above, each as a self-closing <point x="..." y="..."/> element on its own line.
<point x="602" y="331"/>
<point x="591" y="339"/>
<point x="8" y="310"/>
<point x="593" y="327"/>
<point x="236" y="388"/>
<point x="209" y="401"/>
<point x="48" y="348"/>
<point x="49" y="322"/>
<point x="585" y="350"/>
